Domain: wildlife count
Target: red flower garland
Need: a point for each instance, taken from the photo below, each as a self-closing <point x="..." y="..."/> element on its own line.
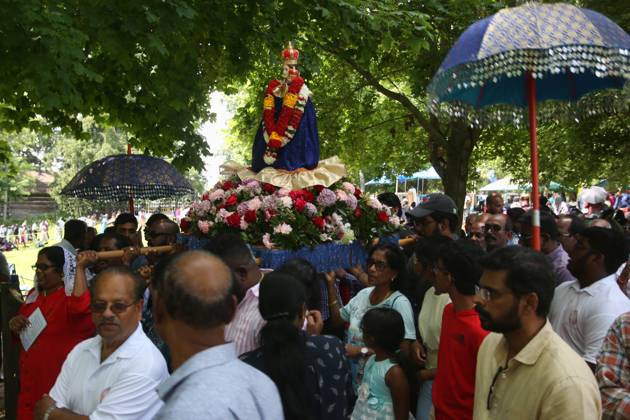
<point x="290" y="115"/>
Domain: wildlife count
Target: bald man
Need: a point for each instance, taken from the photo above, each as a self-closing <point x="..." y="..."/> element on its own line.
<point x="193" y="299"/>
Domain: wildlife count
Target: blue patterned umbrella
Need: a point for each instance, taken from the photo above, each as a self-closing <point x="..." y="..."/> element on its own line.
<point x="122" y="177"/>
<point x="572" y="61"/>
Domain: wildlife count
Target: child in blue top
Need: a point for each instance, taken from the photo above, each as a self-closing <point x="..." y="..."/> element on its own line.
<point x="384" y="390"/>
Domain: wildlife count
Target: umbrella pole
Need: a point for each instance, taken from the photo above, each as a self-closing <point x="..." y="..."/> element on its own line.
<point x="531" y="93"/>
<point x="130" y="198"/>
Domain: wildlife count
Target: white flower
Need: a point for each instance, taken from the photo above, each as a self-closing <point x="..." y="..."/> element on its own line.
<point x="348" y="236"/>
<point x="222" y="215"/>
<point x="244" y="224"/>
<point x="266" y="239"/>
<point x="394" y="220"/>
<point x="286" y="202"/>
<point x="283" y="229"/>
<point x="254" y="204"/>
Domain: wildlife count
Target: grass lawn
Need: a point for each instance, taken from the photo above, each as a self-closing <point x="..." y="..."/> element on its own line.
<point x="23" y="259"/>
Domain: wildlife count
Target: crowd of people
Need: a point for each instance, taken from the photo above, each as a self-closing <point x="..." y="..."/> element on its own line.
<point x="457" y="324"/>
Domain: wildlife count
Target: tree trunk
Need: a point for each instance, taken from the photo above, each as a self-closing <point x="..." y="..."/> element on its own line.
<point x="450" y="156"/>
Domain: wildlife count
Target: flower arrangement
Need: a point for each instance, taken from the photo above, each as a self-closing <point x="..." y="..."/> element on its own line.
<point x="280" y="218"/>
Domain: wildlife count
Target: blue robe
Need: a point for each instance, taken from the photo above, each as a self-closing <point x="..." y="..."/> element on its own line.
<point x="301" y="152"/>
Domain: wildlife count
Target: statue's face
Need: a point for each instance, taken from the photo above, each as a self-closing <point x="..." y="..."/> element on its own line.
<point x="289" y="72"/>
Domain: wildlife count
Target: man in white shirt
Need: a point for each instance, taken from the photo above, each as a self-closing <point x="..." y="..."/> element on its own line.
<point x="244" y="329"/>
<point x="115" y="374"/>
<point x="74" y="232"/>
<point x="583" y="310"/>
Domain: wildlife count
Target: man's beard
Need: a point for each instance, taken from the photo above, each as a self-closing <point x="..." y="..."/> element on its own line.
<point x="508" y="323"/>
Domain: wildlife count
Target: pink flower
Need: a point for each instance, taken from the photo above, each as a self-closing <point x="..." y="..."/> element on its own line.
<point x="283" y="229"/>
<point x="351" y="202"/>
<point x="310" y="210"/>
<point x="341" y="195"/>
<point x="326" y="198"/>
<point x="216" y="195"/>
<point x="283" y="192"/>
<point x="244" y="224"/>
<point x="374" y="203"/>
<point x="266" y="239"/>
<point x="204" y="226"/>
<point x="394" y="220"/>
<point x="254" y="204"/>
<point x="348" y="187"/>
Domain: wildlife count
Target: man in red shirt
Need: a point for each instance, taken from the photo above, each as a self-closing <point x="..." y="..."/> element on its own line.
<point x="457" y="271"/>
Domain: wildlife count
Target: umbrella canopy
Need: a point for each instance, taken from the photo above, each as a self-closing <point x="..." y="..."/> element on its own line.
<point x="120" y="177"/>
<point x="594" y="195"/>
<point x="501" y="67"/>
<point x="569" y="51"/>
<point x="503" y="184"/>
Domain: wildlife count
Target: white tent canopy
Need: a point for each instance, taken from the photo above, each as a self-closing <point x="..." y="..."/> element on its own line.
<point x="503" y="184"/>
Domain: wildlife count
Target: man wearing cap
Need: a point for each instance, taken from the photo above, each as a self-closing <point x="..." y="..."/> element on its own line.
<point x="436" y="216"/>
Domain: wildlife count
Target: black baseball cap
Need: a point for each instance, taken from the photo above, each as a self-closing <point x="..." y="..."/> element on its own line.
<point x="437" y="202"/>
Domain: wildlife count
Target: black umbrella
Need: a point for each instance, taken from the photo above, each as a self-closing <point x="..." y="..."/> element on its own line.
<point x="125" y="177"/>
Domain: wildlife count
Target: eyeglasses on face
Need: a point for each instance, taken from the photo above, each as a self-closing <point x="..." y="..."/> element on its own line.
<point x="379" y="265"/>
<point x="116" y="307"/>
<point x="489" y="294"/>
<point x="42" y="267"/>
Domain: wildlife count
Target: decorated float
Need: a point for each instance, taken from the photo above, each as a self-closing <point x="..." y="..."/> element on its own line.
<point x="289" y="203"/>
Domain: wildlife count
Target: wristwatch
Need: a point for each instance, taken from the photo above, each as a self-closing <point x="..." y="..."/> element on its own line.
<point x="364" y="351"/>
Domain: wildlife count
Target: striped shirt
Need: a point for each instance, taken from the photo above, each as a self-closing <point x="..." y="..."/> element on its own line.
<point x="247" y="323"/>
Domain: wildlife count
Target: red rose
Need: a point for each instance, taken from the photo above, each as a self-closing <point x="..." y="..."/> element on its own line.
<point x="184" y="224"/>
<point x="275" y="144"/>
<point x="382" y="216"/>
<point x="357" y="212"/>
<point x="319" y="222"/>
<point x="299" y="205"/>
<point x="319" y="188"/>
<point x="250" y="216"/>
<point x="295" y="194"/>
<point x="231" y="200"/>
<point x="268" y="188"/>
<point x="234" y="220"/>
<point x="227" y="185"/>
<point x="205" y="197"/>
<point x="357" y="192"/>
<point x="308" y="196"/>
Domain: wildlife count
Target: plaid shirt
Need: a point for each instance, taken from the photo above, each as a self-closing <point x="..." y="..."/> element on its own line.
<point x="613" y="370"/>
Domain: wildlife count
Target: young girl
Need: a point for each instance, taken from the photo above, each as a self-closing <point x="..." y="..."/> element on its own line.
<point x="384" y="390"/>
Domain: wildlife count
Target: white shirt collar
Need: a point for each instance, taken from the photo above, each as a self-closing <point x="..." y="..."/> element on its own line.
<point x="126" y="350"/>
<point x="594" y="288"/>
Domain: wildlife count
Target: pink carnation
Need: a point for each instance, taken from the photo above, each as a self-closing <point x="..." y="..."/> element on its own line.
<point x="216" y="195"/>
<point x="394" y="220"/>
<point x="204" y="226"/>
<point x="374" y="203"/>
<point x="351" y="202"/>
<point x="286" y="202"/>
<point x="348" y="187"/>
<point x="266" y="239"/>
<point x="283" y="192"/>
<point x="341" y="195"/>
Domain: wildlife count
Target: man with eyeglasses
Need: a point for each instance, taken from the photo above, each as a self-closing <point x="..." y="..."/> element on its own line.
<point x="568" y="227"/>
<point x="115" y="374"/>
<point x="436" y="216"/>
<point x="549" y="244"/>
<point x="524" y="369"/>
<point x="584" y="309"/>
<point x="497" y="231"/>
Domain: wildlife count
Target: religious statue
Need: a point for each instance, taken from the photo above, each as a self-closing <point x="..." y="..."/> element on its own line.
<point x="287" y="138"/>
